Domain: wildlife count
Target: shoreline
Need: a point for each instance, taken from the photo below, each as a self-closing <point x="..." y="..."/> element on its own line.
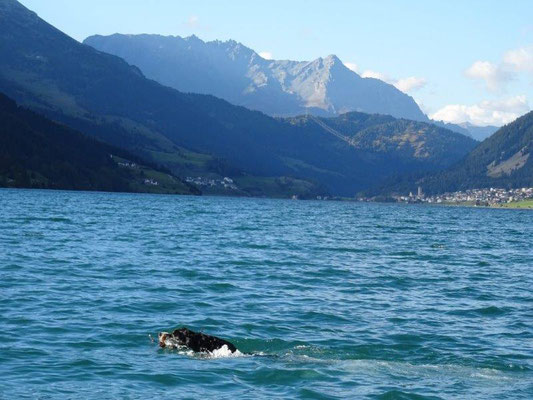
<point x="506" y="206"/>
<point x="521" y="205"/>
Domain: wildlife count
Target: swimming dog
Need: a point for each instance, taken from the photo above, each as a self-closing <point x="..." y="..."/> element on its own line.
<point x="197" y="342"/>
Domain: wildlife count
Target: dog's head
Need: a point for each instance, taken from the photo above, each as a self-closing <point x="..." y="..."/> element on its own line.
<point x="163" y="337"/>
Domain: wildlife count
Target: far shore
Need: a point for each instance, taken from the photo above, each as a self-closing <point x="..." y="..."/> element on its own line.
<point x="519" y="205"/>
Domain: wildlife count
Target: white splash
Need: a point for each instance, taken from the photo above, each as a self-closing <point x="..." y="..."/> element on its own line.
<point x="172" y="343"/>
<point x="224" y="351"/>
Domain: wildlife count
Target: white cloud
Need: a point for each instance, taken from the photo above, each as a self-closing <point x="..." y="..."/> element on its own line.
<point x="495" y="76"/>
<point x="267" y="55"/>
<point x="376" y="75"/>
<point x="497" y="112"/>
<point x="354" y="67"/>
<point x="520" y="59"/>
<point x="410" y="84"/>
<point x="406" y="85"/>
<point x="193" y="21"/>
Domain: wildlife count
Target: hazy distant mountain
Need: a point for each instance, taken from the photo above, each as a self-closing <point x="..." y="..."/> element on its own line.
<point x="453" y="127"/>
<point x="238" y="74"/>
<point x="39" y="153"/>
<point x="476" y="132"/>
<point x="101" y="95"/>
<point x="479" y="132"/>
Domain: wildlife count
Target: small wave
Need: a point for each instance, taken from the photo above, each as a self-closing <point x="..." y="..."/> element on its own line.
<point x="220" y="286"/>
<point x="47" y="219"/>
<point x="400" y="395"/>
<point x="490" y="311"/>
<point x="342" y="249"/>
<point x="483" y="264"/>
<point x="405" y="253"/>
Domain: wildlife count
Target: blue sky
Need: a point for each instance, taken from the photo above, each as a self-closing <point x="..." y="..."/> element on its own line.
<point x="461" y="60"/>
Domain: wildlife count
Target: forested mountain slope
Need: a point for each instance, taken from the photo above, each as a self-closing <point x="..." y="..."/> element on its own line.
<point x="38" y="153"/>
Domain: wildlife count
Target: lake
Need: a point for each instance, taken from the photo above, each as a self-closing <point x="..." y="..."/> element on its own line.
<point x="329" y="299"/>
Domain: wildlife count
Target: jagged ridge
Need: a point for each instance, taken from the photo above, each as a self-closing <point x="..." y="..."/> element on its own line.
<point x="238" y="74"/>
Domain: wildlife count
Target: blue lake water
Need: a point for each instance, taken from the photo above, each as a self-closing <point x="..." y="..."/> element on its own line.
<point x="334" y="300"/>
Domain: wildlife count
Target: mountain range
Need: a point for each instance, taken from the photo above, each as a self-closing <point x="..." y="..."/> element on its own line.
<point x="236" y="73"/>
<point x="200" y="135"/>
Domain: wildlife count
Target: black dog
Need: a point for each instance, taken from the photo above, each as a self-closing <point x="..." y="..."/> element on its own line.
<point x="197" y="342"/>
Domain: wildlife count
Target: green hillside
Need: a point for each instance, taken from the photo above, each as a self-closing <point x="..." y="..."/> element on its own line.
<point x="407" y="146"/>
<point x="412" y="141"/>
<point x="39" y="153"/>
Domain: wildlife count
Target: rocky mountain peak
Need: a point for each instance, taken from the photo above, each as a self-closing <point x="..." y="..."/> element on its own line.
<point x="236" y="73"/>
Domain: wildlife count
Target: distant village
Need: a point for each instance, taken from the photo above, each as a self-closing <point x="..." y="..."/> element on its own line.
<point x="478" y="197"/>
<point x="226" y="183"/>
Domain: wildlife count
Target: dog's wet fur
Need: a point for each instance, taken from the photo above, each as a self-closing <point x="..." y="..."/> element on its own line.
<point x="197" y="342"/>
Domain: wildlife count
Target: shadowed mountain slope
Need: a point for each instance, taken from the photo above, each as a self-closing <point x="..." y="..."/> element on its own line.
<point x="39" y="153"/>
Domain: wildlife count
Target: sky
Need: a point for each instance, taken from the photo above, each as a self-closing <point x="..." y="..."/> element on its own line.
<point x="462" y="61"/>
